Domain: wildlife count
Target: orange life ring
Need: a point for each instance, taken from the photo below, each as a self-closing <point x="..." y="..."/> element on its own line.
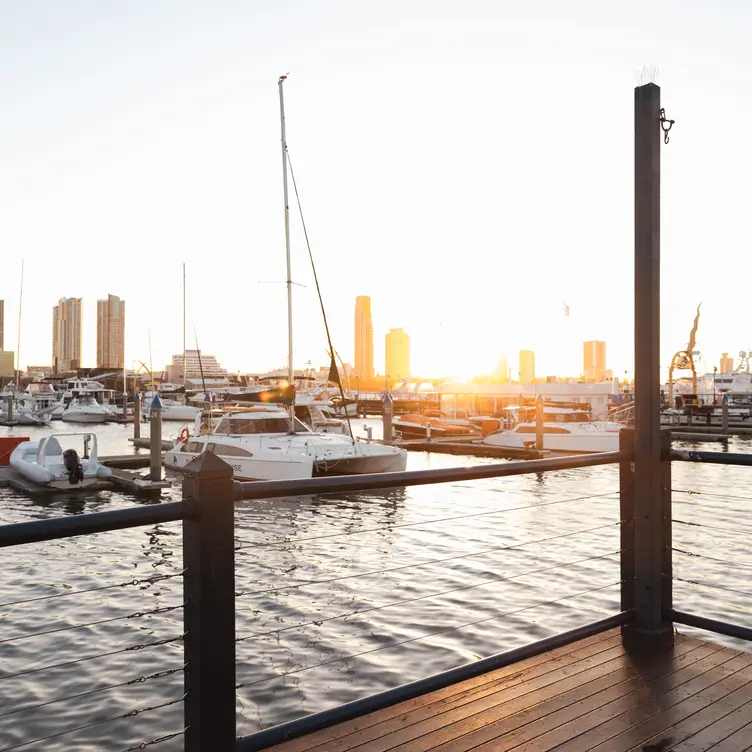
<point x="184" y="435"/>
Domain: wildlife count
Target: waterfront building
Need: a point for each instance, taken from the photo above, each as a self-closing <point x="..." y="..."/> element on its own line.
<point x="7" y="367"/>
<point x="111" y="332"/>
<point x="363" y="338"/>
<point x="594" y="360"/>
<point x="190" y="370"/>
<point x="397" y="355"/>
<point x="2" y="325"/>
<point x="67" y="325"/>
<point x="527" y="367"/>
<point x="727" y="364"/>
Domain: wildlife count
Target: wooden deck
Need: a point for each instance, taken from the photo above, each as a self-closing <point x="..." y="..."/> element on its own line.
<point x="590" y="695"/>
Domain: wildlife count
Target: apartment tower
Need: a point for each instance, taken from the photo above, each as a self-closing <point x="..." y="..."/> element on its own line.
<point x="111" y="332"/>
<point x="66" y="335"/>
<point x="363" y="338"/>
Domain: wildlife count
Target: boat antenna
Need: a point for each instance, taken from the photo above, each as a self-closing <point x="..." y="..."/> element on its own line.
<point x="18" y="339"/>
<point x="290" y="369"/>
<point x="321" y="299"/>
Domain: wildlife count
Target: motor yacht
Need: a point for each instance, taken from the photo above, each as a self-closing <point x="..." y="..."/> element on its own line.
<point x="85" y="409"/>
<point x="564" y="430"/>
<point x="262" y="443"/>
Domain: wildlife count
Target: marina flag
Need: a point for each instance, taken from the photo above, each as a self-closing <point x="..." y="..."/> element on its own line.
<point x="566" y="309"/>
<point x="334" y="373"/>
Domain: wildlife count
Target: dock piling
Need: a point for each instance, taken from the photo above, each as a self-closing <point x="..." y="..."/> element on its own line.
<point x="387" y="419"/>
<point x="155" y="439"/>
<point x="209" y="596"/>
<point x="137" y="415"/>
<point x="724" y="414"/>
<point x="539" y="423"/>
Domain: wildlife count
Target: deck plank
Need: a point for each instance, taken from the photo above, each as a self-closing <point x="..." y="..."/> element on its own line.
<point x="424" y="719"/>
<point x="718" y="731"/>
<point x="590" y="695"/>
<point x="481" y="684"/>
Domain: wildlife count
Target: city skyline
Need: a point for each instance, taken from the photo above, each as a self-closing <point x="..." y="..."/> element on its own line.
<point x="109" y="153"/>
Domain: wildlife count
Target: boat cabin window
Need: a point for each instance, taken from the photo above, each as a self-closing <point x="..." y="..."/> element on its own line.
<point x="194" y="447"/>
<point x="244" y="426"/>
<point x="227" y="450"/>
<point x="85" y="399"/>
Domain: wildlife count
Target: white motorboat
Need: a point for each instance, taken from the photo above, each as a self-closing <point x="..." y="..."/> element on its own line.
<point x="47" y="463"/>
<point x="76" y="388"/>
<point x="85" y="409"/>
<point x="172" y="410"/>
<point x="259" y="445"/>
<point x="564" y="430"/>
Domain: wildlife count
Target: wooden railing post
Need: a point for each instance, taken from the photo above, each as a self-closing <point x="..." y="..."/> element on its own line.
<point x="626" y="517"/>
<point x="649" y="628"/>
<point x="209" y="596"/>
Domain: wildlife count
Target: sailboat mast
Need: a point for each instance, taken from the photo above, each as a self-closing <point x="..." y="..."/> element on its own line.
<point x="18" y="340"/>
<point x="290" y="369"/>
<point x="185" y="367"/>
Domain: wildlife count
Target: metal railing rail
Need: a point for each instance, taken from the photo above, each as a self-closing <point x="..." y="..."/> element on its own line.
<point x="376" y="481"/>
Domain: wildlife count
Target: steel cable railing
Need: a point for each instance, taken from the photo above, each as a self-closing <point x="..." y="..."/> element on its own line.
<point x="419" y="523"/>
<point x="341" y="659"/>
<point x="23" y="702"/>
<point x="443" y="560"/>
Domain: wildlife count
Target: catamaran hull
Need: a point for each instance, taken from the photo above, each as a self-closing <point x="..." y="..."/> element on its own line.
<point x="360" y="465"/>
<point x="278" y="467"/>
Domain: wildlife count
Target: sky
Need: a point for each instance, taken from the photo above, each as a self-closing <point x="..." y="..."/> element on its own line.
<point x="467" y="165"/>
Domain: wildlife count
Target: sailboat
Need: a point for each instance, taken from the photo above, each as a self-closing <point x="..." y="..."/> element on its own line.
<point x="269" y="442"/>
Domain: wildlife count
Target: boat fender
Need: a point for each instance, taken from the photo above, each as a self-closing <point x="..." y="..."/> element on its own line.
<point x="184" y="435"/>
<point x="73" y="466"/>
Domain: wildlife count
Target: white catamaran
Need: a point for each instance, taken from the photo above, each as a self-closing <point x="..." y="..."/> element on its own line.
<point x="269" y="442"/>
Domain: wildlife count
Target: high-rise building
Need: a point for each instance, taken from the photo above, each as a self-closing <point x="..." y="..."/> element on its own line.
<point x="2" y="325"/>
<point x="397" y="355"/>
<point x="66" y="335"/>
<point x="363" y="338"/>
<point x="501" y="374"/>
<point x="195" y="367"/>
<point x="111" y="332"/>
<point x="527" y="367"/>
<point x="594" y="360"/>
<point x="727" y="364"/>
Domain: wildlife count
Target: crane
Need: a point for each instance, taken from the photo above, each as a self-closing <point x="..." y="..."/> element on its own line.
<point x="684" y="360"/>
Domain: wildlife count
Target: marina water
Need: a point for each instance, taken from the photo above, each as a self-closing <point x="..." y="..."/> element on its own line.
<point x="338" y="596"/>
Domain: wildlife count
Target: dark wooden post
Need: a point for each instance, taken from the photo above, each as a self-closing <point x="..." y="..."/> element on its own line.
<point x="626" y="517"/>
<point x="667" y="564"/>
<point x="209" y="593"/>
<point x="539" y="423"/>
<point x="649" y="627"/>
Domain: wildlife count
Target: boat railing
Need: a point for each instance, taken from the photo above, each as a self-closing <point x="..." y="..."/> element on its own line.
<point x="587" y="573"/>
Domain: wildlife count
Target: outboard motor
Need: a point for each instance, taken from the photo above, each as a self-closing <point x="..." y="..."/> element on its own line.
<point x="73" y="466"/>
